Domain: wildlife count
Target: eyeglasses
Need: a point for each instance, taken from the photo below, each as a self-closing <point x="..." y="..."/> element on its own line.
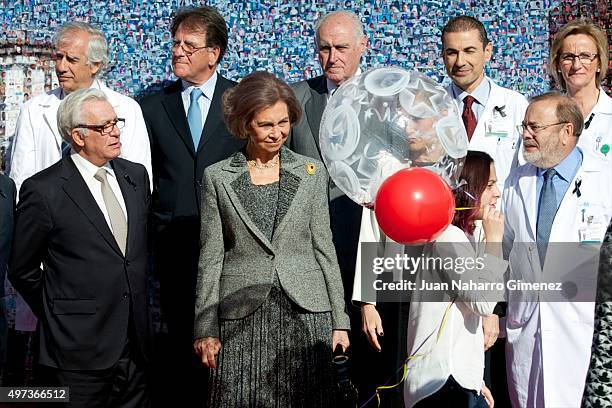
<point x="535" y="129"/>
<point x="188" y="49"/>
<point x="105" y="129"/>
<point x="585" y="58"/>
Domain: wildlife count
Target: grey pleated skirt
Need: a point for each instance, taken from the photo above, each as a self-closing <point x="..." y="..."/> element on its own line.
<point x="280" y="356"/>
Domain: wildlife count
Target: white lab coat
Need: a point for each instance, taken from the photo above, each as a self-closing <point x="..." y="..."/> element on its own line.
<point x="599" y="132"/>
<point x="505" y="151"/>
<point x="549" y="343"/>
<point x="37" y="143"/>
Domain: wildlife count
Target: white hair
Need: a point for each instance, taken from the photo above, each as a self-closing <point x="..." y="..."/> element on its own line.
<point x="97" y="48"/>
<point x="352" y="17"/>
<point x="70" y="110"/>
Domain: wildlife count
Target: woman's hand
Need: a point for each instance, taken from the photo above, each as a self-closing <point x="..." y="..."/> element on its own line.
<point x="490" y="327"/>
<point x="371" y="325"/>
<point x="340" y="337"/>
<point x="208" y="348"/>
<point x="486" y="393"/>
<point x="493" y="224"/>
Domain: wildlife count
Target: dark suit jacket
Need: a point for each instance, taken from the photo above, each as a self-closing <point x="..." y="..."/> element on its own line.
<point x="238" y="262"/>
<point x="344" y="213"/>
<point x="177" y="166"/>
<point x="89" y="292"/>
<point x="7" y="207"/>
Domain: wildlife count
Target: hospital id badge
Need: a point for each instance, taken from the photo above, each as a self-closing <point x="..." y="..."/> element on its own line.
<point x="498" y="126"/>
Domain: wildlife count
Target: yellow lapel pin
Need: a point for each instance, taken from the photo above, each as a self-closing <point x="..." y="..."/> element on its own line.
<point x="310" y="168"/>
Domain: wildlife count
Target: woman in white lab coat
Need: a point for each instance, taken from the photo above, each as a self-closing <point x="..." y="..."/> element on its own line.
<point x="579" y="63"/>
<point x="449" y="371"/>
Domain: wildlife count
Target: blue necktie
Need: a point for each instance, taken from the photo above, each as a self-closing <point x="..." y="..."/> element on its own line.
<point x="194" y="116"/>
<point x="546" y="213"/>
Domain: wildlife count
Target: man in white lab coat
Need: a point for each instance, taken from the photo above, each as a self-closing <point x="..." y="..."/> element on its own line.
<point x="557" y="208"/>
<point x="81" y="54"/>
<point x="490" y="113"/>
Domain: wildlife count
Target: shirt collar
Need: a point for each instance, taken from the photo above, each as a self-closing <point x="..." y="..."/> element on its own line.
<point x="87" y="168"/>
<point x="481" y="93"/>
<point x="332" y="86"/>
<point x="604" y="103"/>
<point x="568" y="167"/>
<point x="207" y="88"/>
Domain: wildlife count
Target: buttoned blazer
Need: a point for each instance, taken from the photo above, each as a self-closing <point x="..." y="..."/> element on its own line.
<point x="88" y="291"/>
<point x="37" y="143"/>
<point x="177" y="165"/>
<point x="7" y="207"/>
<point x="238" y="263"/>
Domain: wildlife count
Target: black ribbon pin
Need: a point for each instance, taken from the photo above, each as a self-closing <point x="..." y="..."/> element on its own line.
<point x="577" y="185"/>
<point x="501" y="110"/>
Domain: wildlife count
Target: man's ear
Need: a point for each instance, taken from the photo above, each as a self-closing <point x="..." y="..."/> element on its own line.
<point x="567" y="133"/>
<point x="215" y="56"/>
<point x="488" y="51"/>
<point x="77" y="138"/>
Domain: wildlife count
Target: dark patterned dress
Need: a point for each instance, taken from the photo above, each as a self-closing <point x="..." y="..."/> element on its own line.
<point x="598" y="388"/>
<point x="280" y="355"/>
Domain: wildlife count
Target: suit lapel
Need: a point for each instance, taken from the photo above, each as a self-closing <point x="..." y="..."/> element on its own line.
<point x="173" y="104"/>
<point x="50" y="116"/>
<point x="291" y="191"/>
<point x="314" y="108"/>
<point x="527" y="185"/>
<point x="128" y="191"/>
<point x="213" y="119"/>
<point x="76" y="188"/>
<point x="235" y="169"/>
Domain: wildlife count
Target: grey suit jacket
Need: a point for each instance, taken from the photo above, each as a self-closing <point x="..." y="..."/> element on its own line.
<point x="238" y="262"/>
<point x="304" y="137"/>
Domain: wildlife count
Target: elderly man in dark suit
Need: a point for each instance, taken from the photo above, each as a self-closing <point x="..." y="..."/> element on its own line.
<point x="85" y="219"/>
<point x="341" y="42"/>
<point x="7" y="206"/>
<point x="187" y="134"/>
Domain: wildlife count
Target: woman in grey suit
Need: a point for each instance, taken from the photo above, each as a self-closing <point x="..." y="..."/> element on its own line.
<point x="269" y="287"/>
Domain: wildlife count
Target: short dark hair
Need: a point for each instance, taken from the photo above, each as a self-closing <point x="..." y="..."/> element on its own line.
<point x="566" y="110"/>
<point x="466" y="23"/>
<point x="206" y="19"/>
<point x="258" y="90"/>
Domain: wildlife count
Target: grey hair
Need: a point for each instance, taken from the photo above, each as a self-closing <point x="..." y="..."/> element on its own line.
<point x="70" y="110"/>
<point x="352" y="17"/>
<point x="97" y="48"/>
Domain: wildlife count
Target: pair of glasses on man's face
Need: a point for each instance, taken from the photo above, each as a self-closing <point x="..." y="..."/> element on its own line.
<point x="585" y="58"/>
<point x="188" y="49"/>
<point x="535" y="129"/>
<point x="105" y="129"/>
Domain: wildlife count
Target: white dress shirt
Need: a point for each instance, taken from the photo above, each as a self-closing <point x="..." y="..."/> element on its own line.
<point x="457" y="347"/>
<point x="88" y="171"/>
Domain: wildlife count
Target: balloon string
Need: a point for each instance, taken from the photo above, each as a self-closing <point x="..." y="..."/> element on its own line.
<point x="404" y="366"/>
<point x="464" y="208"/>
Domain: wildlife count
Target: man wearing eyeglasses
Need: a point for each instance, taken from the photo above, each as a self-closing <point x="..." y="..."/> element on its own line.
<point x="558" y="206"/>
<point x="81" y="53"/>
<point x="187" y="134"/>
<point x="85" y="219"/>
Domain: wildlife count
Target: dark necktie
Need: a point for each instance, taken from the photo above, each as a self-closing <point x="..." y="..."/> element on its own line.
<point x="468" y="116"/>
<point x="546" y="213"/>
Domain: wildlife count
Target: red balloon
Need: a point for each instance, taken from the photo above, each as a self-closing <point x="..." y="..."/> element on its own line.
<point x="414" y="205"/>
